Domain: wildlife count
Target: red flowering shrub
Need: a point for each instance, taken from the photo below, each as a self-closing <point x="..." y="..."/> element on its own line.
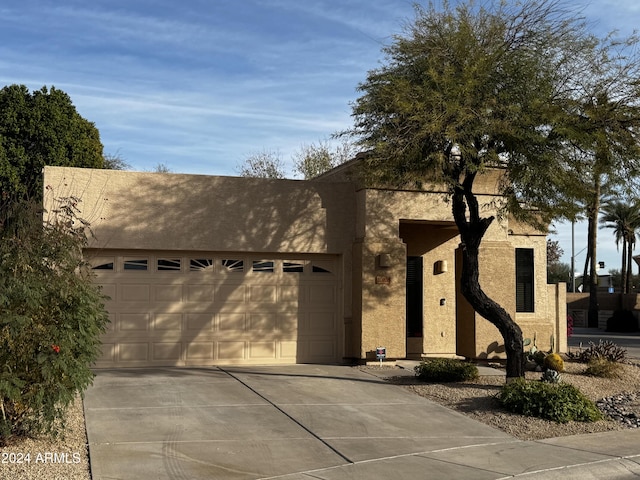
<point x="51" y="319"/>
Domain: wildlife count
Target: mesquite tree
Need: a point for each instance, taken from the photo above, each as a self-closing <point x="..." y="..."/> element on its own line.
<point x="466" y="90"/>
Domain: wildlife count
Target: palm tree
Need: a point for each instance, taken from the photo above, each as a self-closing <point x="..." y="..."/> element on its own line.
<point x="624" y="219"/>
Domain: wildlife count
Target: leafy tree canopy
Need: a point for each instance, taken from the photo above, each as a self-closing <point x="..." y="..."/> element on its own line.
<point x="309" y="161"/>
<point x="264" y="164"/>
<point x="41" y="128"/>
<point x="316" y="158"/>
<point x="470" y="89"/>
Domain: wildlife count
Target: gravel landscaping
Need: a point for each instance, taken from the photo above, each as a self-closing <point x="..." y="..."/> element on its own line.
<point x="67" y="458"/>
<point x="476" y="400"/>
<point x="63" y="458"/>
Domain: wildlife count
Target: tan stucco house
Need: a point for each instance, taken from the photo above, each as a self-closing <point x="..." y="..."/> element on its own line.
<point x="206" y="270"/>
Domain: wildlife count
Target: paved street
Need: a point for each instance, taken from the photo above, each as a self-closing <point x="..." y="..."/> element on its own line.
<point x="629" y="341"/>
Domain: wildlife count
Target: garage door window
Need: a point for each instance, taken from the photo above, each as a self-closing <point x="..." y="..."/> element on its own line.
<point x="263" y="266"/>
<point x="104" y="266"/>
<point x="200" y="264"/>
<point x="292" y="267"/>
<point x="319" y="269"/>
<point x="233" y="265"/>
<point x="137" y="264"/>
<point x="168" y="265"/>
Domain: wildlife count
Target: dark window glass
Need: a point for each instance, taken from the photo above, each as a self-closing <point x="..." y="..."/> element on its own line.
<point x="292" y="267"/>
<point x="318" y="269"/>
<point x="172" y="264"/>
<point x="104" y="266"/>
<point x="263" y="266"/>
<point x="233" y="265"/>
<point x="524" y="280"/>
<point x="199" y="264"/>
<point x="136" y="264"/>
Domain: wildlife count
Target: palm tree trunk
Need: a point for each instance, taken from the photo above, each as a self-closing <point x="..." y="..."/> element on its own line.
<point x="630" y="245"/>
<point x="623" y="273"/>
<point x="592" y="321"/>
<point x="585" y="272"/>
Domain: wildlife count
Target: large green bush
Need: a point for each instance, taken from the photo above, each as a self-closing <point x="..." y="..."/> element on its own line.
<point x="559" y="402"/>
<point x="51" y="318"/>
<point x="446" y="370"/>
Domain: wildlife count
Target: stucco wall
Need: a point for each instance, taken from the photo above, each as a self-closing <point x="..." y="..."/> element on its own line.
<point x="382" y="297"/>
<point x="385" y="209"/>
<point x="175" y="212"/>
<point x="152" y="211"/>
<point x="157" y="211"/>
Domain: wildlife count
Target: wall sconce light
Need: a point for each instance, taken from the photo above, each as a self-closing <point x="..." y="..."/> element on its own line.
<point x="384" y="260"/>
<point x="440" y="266"/>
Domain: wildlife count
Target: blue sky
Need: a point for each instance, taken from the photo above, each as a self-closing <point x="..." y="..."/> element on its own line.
<point x="199" y="85"/>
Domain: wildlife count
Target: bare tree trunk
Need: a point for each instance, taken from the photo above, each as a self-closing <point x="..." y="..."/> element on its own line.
<point x="629" y="266"/>
<point x="472" y="231"/>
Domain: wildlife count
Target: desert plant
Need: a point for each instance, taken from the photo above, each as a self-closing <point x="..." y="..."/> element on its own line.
<point x="559" y="402"/>
<point x="534" y="354"/>
<point x="601" y="367"/>
<point x="551" y="376"/>
<point x="553" y="361"/>
<point x="603" y="349"/>
<point x="538" y="357"/>
<point x="446" y="370"/>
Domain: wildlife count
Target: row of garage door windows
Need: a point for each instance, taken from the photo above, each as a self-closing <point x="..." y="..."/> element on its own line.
<point x="207" y="264"/>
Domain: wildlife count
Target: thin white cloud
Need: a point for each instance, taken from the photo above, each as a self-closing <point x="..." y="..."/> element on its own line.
<point x="199" y="84"/>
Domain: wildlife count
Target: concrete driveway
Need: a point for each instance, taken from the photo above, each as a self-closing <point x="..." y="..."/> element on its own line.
<point x="304" y="422"/>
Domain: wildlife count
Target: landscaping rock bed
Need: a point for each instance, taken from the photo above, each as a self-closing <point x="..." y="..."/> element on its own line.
<point x="476" y="399"/>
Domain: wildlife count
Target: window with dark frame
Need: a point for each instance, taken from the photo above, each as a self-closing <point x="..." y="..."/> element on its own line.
<point x="168" y="264"/>
<point x="200" y="264"/>
<point x="292" y="267"/>
<point x="524" y="280"/>
<point x="135" y="264"/>
<point x="264" y="266"/>
<point x="104" y="266"/>
<point x="232" y="265"/>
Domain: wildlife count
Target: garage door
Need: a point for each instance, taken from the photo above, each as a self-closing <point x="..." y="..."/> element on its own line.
<point x="213" y="309"/>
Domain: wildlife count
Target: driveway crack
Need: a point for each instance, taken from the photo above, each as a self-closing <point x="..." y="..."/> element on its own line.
<point x="305" y="428"/>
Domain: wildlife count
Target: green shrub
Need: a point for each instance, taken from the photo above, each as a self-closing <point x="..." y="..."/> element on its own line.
<point x="51" y="318"/>
<point x="559" y="402"/>
<point x="446" y="370"/>
<point x="553" y="361"/>
<point x="600" y="367"/>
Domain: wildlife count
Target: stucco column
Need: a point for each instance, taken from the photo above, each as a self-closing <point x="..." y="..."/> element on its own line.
<point x="379" y="297"/>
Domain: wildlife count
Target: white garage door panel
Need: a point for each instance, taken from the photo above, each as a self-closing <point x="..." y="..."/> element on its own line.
<point x="204" y="309"/>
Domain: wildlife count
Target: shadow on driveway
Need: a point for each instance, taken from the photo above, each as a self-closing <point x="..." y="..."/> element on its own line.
<point x="262" y="422"/>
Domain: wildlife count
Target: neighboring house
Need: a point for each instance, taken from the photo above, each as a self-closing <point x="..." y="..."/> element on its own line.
<point x="205" y="270"/>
